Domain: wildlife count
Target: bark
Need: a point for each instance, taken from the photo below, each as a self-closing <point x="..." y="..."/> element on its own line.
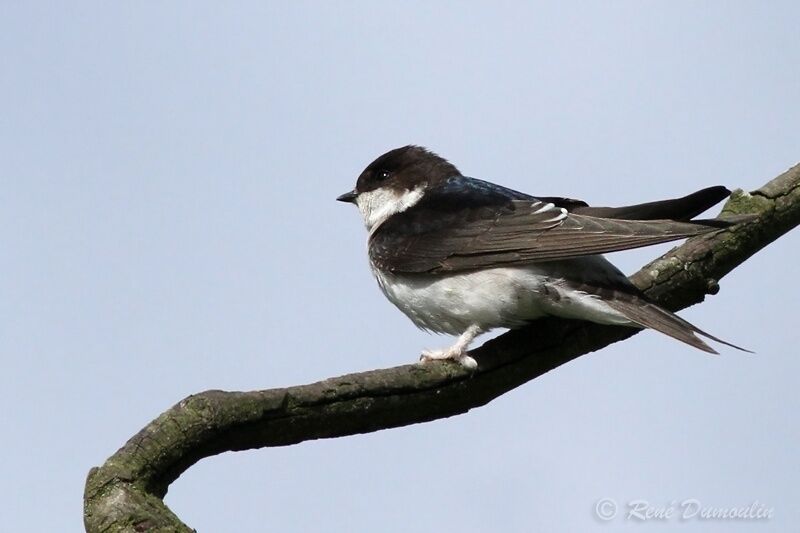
<point x="126" y="492"/>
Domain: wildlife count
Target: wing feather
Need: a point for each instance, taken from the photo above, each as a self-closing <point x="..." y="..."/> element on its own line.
<point x="452" y="235"/>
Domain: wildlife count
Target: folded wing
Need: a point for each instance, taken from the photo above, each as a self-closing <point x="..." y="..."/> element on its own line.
<point x="444" y="233"/>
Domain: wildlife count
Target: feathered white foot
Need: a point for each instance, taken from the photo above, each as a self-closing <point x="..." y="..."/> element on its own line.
<point x="457" y="352"/>
<point x="439" y="355"/>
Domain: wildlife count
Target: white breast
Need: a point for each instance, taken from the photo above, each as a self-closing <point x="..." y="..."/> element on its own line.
<point x="451" y="303"/>
<point x="499" y="297"/>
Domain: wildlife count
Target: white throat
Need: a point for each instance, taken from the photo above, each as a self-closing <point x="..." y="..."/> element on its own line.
<point x="379" y="204"/>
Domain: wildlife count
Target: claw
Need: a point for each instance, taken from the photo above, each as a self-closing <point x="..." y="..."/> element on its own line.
<point x="468" y="362"/>
<point x="457" y="352"/>
<point x="449" y="355"/>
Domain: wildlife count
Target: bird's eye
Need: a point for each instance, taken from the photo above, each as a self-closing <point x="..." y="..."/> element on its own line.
<point x="382" y="175"/>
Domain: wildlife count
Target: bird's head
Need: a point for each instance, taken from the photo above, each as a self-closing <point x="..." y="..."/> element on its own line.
<point x="395" y="181"/>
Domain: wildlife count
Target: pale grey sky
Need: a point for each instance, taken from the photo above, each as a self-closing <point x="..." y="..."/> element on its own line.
<point x="168" y="225"/>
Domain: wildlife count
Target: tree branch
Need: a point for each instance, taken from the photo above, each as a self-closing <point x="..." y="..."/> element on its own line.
<point x="126" y="493"/>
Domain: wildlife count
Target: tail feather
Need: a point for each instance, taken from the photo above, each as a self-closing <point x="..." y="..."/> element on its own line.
<point x="649" y="315"/>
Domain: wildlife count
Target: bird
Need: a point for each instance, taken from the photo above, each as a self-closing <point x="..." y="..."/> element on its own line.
<point x="463" y="256"/>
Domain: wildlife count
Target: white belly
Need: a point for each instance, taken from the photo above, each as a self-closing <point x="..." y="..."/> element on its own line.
<point x="499" y="297"/>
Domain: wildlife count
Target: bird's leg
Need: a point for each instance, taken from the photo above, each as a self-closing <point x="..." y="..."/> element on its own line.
<point x="458" y="351"/>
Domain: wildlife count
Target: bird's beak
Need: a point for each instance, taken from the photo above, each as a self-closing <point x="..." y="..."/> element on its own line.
<point x="349" y="197"/>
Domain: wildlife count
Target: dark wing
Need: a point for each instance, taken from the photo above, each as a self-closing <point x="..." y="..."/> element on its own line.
<point x="684" y="208"/>
<point x="467" y="224"/>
